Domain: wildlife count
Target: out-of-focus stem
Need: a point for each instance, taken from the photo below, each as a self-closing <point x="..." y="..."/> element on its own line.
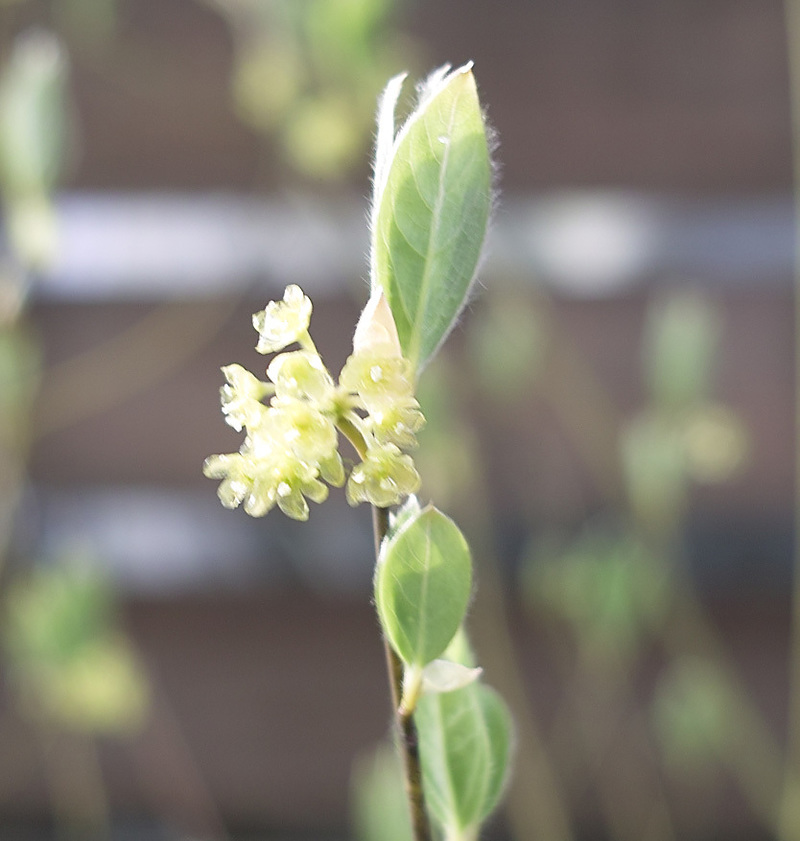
<point x="573" y="391"/>
<point x="170" y="776"/>
<point x="790" y="807"/>
<point x="534" y="804"/>
<point x="753" y="757"/>
<point x="76" y="786"/>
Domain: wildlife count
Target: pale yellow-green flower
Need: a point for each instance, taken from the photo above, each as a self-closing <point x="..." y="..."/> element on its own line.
<point x="236" y="477"/>
<point x="301" y="375"/>
<point x="241" y="397"/>
<point x="285" y="481"/>
<point x="284" y="322"/>
<point x="379" y="379"/>
<point x="261" y="476"/>
<point x="396" y="423"/>
<point x="291" y="446"/>
<point x="302" y="430"/>
<point x="384" y="478"/>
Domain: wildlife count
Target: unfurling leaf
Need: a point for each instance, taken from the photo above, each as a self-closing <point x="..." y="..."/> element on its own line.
<point x="446" y="676"/>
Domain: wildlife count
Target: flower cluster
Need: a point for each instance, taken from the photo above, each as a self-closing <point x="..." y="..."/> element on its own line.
<point x="292" y="422"/>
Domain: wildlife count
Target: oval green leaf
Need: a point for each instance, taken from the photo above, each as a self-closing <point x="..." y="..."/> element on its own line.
<point x="465" y="750"/>
<point x="431" y="212"/>
<point x="422" y="586"/>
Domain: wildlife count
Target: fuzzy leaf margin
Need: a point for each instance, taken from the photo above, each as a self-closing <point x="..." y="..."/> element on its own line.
<point x="431" y="205"/>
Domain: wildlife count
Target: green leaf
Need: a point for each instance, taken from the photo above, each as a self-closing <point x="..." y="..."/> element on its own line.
<point x="654" y="461"/>
<point x="52" y="616"/>
<point x="508" y="346"/>
<point x="379" y="807"/>
<point x="465" y="748"/>
<point x="431" y="209"/>
<point x="422" y="585"/>
<point x="680" y="344"/>
<point x="33" y="115"/>
<point x="696" y="715"/>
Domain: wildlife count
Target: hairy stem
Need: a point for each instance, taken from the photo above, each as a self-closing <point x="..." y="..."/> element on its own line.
<point x="408" y="741"/>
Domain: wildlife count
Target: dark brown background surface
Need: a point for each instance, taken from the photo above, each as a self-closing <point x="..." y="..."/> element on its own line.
<point x="274" y="692"/>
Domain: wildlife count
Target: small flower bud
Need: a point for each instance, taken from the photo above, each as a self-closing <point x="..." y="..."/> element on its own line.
<point x="376" y="327"/>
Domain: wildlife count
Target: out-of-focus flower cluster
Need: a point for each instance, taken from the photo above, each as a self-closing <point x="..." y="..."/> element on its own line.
<point x="292" y="421"/>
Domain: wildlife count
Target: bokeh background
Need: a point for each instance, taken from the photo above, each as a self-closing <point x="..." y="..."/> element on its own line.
<point x="611" y="423"/>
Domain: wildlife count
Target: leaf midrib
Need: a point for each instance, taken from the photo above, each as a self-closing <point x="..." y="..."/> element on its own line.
<point x="423" y="598"/>
<point x="436" y="213"/>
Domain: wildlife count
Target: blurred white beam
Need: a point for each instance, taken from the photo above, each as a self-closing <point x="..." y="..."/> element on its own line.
<point x="122" y="246"/>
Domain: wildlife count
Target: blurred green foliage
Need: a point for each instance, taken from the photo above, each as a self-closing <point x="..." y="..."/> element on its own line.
<point x="681" y="337"/>
<point x="379" y="808"/>
<point x="682" y="435"/>
<point x="507" y="346"/>
<point x="34" y="128"/>
<point x="90" y="25"/>
<point x="694" y="714"/>
<point x="609" y="588"/>
<point x="70" y="667"/>
<point x="20" y="373"/>
<point x="68" y="657"/>
<point x="33" y="104"/>
<point x="307" y="72"/>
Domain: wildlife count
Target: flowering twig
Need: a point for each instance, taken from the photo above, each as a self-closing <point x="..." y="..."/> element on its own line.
<point x="429" y="215"/>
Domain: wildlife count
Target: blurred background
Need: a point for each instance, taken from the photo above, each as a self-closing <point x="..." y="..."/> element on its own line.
<point x="611" y="424"/>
